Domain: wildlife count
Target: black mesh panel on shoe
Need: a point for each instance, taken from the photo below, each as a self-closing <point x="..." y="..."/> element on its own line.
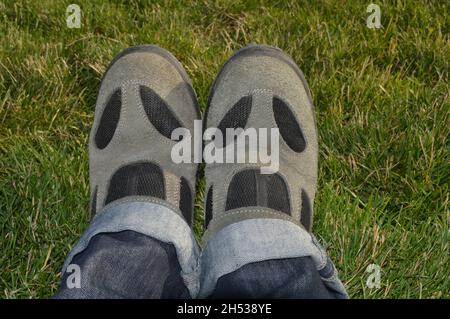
<point x="277" y="193"/>
<point x="158" y="112"/>
<point x="208" y="213"/>
<point x="144" y="179"/>
<point x="237" y="116"/>
<point x="109" y="120"/>
<point x="186" y="200"/>
<point x="305" y="213"/>
<point x="251" y="188"/>
<point x="242" y="190"/>
<point x="288" y="125"/>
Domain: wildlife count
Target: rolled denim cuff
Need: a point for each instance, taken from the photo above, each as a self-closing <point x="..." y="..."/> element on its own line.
<point x="151" y="217"/>
<point x="255" y="240"/>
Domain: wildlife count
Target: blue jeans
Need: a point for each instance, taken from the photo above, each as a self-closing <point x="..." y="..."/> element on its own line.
<point x="137" y="248"/>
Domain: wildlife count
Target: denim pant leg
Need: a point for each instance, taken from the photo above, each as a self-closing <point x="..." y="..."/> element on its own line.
<point x="139" y="248"/>
<point x="267" y="258"/>
<point x="125" y="264"/>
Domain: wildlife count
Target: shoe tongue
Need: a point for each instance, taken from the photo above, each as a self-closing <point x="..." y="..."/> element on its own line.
<point x="251" y="188"/>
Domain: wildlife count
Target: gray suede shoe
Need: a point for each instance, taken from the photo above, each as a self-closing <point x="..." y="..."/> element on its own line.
<point x="262" y="87"/>
<point x="144" y="95"/>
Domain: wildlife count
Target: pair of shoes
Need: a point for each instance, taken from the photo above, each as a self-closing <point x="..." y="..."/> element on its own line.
<point x="146" y="94"/>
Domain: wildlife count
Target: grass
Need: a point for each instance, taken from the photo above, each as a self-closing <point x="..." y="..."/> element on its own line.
<point x="382" y="103"/>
